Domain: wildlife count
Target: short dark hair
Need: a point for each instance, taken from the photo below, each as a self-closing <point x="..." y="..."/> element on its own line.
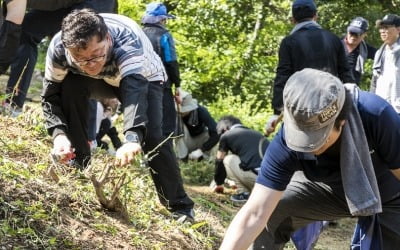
<point x="226" y="122"/>
<point x="303" y="13"/>
<point x="345" y="110"/>
<point x="80" y="26"/>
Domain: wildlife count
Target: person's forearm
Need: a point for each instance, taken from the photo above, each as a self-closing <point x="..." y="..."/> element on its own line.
<point x="55" y="121"/>
<point x="16" y="11"/>
<point x="248" y="228"/>
<point x="133" y="90"/>
<point x="252" y="218"/>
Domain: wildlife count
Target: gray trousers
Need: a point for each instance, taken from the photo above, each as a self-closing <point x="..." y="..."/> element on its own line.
<point x="305" y="201"/>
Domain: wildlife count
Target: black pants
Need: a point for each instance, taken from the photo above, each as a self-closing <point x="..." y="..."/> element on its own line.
<point x="106" y="128"/>
<point x="169" y="112"/>
<point x="76" y="91"/>
<point x="305" y="201"/>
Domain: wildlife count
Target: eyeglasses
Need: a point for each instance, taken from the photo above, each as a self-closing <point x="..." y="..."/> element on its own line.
<point x="91" y="60"/>
<point x="95" y="59"/>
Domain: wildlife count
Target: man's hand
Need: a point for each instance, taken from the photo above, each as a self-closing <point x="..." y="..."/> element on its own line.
<point x="62" y="149"/>
<point x="195" y="154"/>
<point x="126" y="153"/>
<point x="219" y="189"/>
<point x="178" y="97"/>
<point x="270" y="126"/>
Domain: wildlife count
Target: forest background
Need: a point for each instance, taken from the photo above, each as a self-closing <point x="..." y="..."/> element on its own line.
<point x="228" y="50"/>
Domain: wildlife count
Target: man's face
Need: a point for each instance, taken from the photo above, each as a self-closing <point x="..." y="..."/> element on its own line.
<point x="354" y="38"/>
<point x="330" y="140"/>
<point x="92" y="59"/>
<point x="389" y="33"/>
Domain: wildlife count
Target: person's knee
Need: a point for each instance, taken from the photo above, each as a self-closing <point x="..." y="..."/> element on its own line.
<point x="230" y="161"/>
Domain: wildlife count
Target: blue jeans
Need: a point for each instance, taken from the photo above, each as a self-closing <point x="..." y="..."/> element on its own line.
<point x="37" y="25"/>
<point x="76" y="91"/>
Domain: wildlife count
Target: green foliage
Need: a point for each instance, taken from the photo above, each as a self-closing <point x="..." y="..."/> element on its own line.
<point x="36" y="212"/>
<point x="252" y="112"/>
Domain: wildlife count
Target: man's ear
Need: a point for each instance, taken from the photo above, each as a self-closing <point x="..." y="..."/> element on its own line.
<point x="315" y="17"/>
<point x="342" y="122"/>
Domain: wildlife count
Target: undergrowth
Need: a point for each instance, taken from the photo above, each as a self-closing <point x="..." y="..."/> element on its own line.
<point x="37" y="212"/>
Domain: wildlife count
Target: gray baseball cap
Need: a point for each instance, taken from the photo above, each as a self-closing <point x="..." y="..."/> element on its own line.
<point x="312" y="101"/>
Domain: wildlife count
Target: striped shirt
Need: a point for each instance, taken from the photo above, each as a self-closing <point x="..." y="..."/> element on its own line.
<point x="131" y="53"/>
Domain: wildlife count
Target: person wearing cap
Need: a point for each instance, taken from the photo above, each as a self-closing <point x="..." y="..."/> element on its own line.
<point x="385" y="80"/>
<point x="199" y="130"/>
<point x="307" y="46"/>
<point x="335" y="156"/>
<point x="154" y="26"/>
<point x="27" y="23"/>
<point x="357" y="50"/>
<point x="106" y="56"/>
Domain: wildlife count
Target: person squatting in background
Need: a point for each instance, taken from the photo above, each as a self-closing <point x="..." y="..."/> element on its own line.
<point x="199" y="130"/>
<point x="239" y="156"/>
<point x="104" y="124"/>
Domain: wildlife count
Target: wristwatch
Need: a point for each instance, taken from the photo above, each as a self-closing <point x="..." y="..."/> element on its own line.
<point x="131" y="137"/>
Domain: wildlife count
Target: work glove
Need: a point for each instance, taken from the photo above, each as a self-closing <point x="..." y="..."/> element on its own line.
<point x="126" y="153"/>
<point x="271" y="124"/>
<point x="62" y="150"/>
<point x="92" y="145"/>
<point x="195" y="154"/>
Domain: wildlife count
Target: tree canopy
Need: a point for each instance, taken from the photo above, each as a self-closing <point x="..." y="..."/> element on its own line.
<point x="230" y="48"/>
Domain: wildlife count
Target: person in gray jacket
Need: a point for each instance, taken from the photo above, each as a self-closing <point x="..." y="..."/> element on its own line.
<point x="386" y="69"/>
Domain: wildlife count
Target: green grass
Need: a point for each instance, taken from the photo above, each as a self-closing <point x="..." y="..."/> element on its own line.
<point x="36" y="212"/>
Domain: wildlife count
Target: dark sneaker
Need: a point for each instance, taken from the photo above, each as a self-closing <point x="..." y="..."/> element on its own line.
<point x="240" y="197"/>
<point x="184" y="215"/>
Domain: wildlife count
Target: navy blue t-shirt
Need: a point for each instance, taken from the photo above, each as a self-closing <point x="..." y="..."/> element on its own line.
<point x="382" y="128"/>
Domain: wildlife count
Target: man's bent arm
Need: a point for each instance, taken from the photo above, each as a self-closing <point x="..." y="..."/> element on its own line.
<point x="251" y="218"/>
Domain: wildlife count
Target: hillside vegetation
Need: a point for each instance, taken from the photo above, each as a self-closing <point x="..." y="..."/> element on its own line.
<point x="37" y="211"/>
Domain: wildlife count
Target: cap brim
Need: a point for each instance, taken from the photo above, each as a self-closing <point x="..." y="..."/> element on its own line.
<point x="383" y="22"/>
<point x="169" y="16"/>
<point x="305" y="141"/>
<point x="356" y="30"/>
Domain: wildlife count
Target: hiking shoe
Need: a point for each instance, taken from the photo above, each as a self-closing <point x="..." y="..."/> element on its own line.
<point x="240" y="197"/>
<point x="183" y="215"/>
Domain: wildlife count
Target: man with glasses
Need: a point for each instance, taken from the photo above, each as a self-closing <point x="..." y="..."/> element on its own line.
<point x="386" y="70"/>
<point x="105" y="56"/>
<point x="357" y="50"/>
